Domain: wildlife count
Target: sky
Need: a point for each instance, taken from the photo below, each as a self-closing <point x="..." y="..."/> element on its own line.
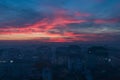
<point x="60" y="20"/>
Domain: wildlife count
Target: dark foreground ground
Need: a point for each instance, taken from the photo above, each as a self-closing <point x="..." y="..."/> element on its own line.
<point x="60" y="62"/>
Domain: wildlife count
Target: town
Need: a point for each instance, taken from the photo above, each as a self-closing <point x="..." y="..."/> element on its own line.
<point x="61" y="62"/>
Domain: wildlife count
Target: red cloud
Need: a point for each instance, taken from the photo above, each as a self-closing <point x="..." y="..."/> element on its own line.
<point x="60" y="18"/>
<point x="39" y="30"/>
<point x="103" y="21"/>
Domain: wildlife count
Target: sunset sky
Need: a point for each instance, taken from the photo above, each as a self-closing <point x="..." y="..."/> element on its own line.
<point x="60" y="20"/>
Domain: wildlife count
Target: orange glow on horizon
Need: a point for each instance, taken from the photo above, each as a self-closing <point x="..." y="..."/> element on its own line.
<point x="47" y="37"/>
<point x="26" y="36"/>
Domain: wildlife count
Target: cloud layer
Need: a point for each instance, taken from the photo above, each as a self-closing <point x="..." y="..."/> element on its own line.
<point x="60" y="20"/>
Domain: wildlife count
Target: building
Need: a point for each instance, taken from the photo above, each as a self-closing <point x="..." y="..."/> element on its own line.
<point x="97" y="56"/>
<point x="10" y="55"/>
<point x="44" y="53"/>
<point x="69" y="56"/>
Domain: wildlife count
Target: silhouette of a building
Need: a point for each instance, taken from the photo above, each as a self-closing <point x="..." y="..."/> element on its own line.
<point x="44" y="53"/>
<point x="45" y="69"/>
<point x="69" y="56"/>
<point x="97" y="56"/>
<point x="10" y="54"/>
